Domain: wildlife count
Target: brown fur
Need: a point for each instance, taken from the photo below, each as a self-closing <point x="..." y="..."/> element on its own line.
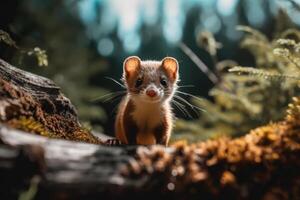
<point x="140" y="120"/>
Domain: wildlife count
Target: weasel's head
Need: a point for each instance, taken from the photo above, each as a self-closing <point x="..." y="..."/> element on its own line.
<point x="150" y="81"/>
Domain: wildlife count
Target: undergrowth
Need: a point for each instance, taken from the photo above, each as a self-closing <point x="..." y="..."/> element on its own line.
<point x="246" y="97"/>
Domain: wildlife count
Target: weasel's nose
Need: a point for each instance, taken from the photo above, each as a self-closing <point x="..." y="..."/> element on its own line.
<point x="151" y="93"/>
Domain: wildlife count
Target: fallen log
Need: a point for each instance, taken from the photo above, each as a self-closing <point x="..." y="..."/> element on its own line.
<point x="35" y="103"/>
<point x="263" y="164"/>
<point x="66" y="169"/>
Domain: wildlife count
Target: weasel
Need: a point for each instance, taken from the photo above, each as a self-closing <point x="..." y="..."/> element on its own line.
<point x="144" y="116"/>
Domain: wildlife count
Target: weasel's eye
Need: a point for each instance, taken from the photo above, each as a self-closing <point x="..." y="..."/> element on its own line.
<point x="163" y="82"/>
<point x="138" y="82"/>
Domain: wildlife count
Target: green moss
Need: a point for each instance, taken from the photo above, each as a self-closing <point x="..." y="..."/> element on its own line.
<point x="29" y="124"/>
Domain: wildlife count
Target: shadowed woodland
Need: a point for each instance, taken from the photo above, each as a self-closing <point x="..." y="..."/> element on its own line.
<point x="236" y="134"/>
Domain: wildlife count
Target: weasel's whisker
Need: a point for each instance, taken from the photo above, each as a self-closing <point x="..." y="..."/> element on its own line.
<point x="190" y="95"/>
<point x="179" y="108"/>
<point x="182" y="109"/>
<point x="115" y="81"/>
<point x="189" y="104"/>
<point x="185" y="86"/>
<point x="112" y="94"/>
<point x="113" y="98"/>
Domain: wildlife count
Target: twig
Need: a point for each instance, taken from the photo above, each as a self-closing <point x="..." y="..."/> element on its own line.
<point x="212" y="77"/>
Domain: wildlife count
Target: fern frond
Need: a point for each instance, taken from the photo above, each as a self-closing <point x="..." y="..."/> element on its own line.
<point x="251" y="107"/>
<point x="295" y="46"/>
<point x="207" y="40"/>
<point x="290" y="33"/>
<point x="262" y="73"/>
<point x="241" y="79"/>
<point x="253" y="32"/>
<point x="40" y="55"/>
<point x="287" y="42"/>
<point x="285" y="53"/>
<point x="5" y="37"/>
<point x="293" y="111"/>
<point x="223" y="65"/>
<point x="254" y="42"/>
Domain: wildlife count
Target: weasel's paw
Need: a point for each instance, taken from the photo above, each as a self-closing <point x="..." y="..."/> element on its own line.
<point x="113" y="142"/>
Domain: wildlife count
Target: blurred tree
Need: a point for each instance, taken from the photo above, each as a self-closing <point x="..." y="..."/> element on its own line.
<point x="73" y="61"/>
<point x="251" y="96"/>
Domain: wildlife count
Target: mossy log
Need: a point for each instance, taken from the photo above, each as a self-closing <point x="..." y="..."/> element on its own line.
<point x="36" y="104"/>
<point x="264" y="164"/>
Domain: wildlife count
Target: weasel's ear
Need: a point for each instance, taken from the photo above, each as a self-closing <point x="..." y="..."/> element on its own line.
<point x="170" y="65"/>
<point x="131" y="65"/>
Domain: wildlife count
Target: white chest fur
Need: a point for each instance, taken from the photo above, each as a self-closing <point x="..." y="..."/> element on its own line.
<point x="147" y="115"/>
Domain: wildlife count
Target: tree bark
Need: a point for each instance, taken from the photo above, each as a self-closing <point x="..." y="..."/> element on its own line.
<point x="35" y="103"/>
<point x="264" y="164"/>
